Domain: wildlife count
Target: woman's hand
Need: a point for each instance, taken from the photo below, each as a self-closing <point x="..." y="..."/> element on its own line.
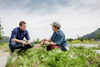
<point x="40" y="44"/>
<point x="46" y="42"/>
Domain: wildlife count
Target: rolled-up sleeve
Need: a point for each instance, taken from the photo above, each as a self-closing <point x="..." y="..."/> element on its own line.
<point x="59" y="39"/>
<point x="14" y="34"/>
<point x="51" y="37"/>
<point x="27" y="35"/>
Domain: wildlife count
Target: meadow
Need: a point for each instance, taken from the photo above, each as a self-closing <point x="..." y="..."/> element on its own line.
<point x="40" y="57"/>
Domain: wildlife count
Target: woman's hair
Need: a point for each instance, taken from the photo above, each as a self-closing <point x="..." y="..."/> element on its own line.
<point x="56" y="27"/>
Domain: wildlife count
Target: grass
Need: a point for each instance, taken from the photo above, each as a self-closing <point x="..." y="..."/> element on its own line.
<point x="75" y="57"/>
<point x="84" y="42"/>
<point x="5" y="47"/>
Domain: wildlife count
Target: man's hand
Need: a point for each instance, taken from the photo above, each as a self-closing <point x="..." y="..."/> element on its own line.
<point x="21" y="41"/>
<point x="29" y="42"/>
<point x="24" y="43"/>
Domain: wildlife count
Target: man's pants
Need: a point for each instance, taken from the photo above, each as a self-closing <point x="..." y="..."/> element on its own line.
<point x="14" y="45"/>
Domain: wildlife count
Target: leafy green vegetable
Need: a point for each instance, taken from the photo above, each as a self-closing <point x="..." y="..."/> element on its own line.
<point x="75" y="57"/>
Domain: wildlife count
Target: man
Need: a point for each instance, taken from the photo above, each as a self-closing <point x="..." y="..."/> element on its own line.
<point x="57" y="39"/>
<point x="17" y="36"/>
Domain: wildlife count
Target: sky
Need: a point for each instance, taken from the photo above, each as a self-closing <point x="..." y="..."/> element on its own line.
<point x="77" y="17"/>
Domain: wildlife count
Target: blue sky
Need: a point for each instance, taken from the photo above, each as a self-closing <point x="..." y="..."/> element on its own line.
<point x="77" y="17"/>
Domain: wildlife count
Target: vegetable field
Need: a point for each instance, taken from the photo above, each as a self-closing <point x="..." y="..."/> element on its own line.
<point x="75" y="57"/>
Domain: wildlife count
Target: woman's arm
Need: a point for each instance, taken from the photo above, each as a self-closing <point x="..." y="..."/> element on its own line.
<point x="49" y="40"/>
<point x="49" y="43"/>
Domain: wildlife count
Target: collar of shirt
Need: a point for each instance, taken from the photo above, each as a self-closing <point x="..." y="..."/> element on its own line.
<point x="57" y="32"/>
<point x="20" y="30"/>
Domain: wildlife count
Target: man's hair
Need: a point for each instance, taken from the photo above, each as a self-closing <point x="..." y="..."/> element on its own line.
<point x="56" y="27"/>
<point x="21" y="23"/>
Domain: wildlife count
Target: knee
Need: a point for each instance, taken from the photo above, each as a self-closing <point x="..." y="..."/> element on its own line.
<point x="12" y="44"/>
<point x="52" y="47"/>
<point x="32" y="44"/>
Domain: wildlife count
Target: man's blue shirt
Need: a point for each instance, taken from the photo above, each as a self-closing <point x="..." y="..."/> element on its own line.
<point x="59" y="38"/>
<point x="19" y="34"/>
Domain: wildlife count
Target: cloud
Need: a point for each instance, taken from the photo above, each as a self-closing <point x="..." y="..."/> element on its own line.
<point x="76" y="17"/>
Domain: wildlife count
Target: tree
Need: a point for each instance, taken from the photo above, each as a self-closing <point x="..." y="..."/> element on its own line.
<point x="85" y="38"/>
<point x="92" y="39"/>
<point x="70" y="40"/>
<point x="1" y="32"/>
<point x="33" y="40"/>
<point x="37" y="41"/>
<point x="98" y="36"/>
<point x="79" y="38"/>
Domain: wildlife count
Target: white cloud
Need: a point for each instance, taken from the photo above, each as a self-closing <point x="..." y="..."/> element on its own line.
<point x="75" y="19"/>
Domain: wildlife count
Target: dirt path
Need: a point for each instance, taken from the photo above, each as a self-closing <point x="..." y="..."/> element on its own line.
<point x="4" y="57"/>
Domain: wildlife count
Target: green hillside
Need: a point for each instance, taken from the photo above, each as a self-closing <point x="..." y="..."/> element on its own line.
<point x="5" y="39"/>
<point x="93" y="34"/>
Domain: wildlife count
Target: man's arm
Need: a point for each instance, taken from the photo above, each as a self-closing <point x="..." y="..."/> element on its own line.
<point x="27" y="37"/>
<point x="29" y="41"/>
<point x="51" y="43"/>
<point x="16" y="40"/>
<point x="14" y="35"/>
<point x="19" y="41"/>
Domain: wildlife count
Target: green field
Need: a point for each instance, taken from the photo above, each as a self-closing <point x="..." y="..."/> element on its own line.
<point x="75" y="57"/>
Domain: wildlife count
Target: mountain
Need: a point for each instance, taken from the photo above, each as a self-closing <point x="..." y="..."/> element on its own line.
<point x="5" y="39"/>
<point x="92" y="35"/>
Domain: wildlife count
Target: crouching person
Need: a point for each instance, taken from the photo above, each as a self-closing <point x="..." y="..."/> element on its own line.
<point x="17" y="36"/>
<point x="57" y="39"/>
